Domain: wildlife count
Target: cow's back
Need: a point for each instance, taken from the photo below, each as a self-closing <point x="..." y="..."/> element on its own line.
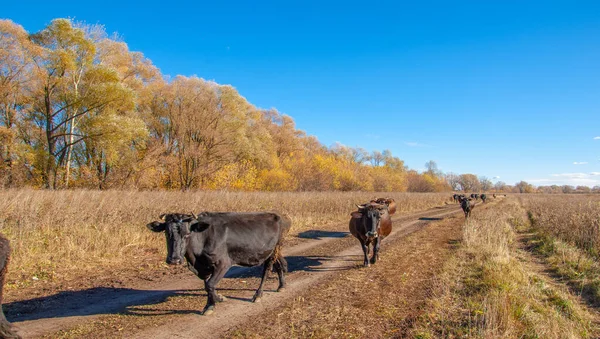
<point x="392" y="207"/>
<point x="385" y="225"/>
<point x="252" y="237"/>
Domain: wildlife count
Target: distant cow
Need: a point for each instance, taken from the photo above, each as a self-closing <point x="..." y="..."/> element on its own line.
<point x="466" y="206"/>
<point x="370" y="224"/>
<point x="455" y="197"/>
<point x="494" y="195"/>
<point x="483" y="197"/>
<point x="389" y="202"/>
<point x="212" y="242"/>
<point x="6" y="330"/>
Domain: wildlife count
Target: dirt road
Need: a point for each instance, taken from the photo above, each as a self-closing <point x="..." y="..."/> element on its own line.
<point x="316" y="257"/>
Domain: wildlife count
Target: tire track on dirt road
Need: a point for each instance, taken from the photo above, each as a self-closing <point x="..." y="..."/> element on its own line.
<point x="70" y="311"/>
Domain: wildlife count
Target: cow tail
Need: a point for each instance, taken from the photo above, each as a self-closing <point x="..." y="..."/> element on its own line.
<point x="279" y="261"/>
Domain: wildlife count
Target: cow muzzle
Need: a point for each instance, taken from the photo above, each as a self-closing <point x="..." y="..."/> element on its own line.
<point x="372" y="234"/>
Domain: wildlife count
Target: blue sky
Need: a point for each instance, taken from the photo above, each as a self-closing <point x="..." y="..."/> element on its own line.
<point x="495" y="88"/>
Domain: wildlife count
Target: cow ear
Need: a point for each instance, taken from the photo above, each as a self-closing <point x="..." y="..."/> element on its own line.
<point x="197" y="226"/>
<point x="156" y="226"/>
<point x="356" y="215"/>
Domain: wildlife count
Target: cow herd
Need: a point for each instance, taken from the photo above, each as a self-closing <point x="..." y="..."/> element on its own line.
<point x="212" y="242"/>
<point x="466" y="201"/>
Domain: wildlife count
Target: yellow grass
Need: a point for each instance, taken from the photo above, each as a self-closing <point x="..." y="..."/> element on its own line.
<point x="489" y="291"/>
<point x="572" y="218"/>
<point x="59" y="234"/>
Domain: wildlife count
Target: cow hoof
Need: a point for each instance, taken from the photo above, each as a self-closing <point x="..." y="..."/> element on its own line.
<point x="208" y="311"/>
<point x="256" y="299"/>
<point x="281" y="289"/>
<point x="221" y="298"/>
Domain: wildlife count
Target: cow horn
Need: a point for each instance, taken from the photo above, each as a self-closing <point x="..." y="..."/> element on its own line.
<point x="162" y="216"/>
<point x="193" y="215"/>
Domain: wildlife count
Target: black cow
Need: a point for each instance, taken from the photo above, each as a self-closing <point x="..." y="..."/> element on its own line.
<point x="6" y="330"/>
<point x="455" y="197"/>
<point x="466" y="206"/>
<point x="483" y="197"/>
<point x="213" y="242"/>
<point x="370" y="224"/>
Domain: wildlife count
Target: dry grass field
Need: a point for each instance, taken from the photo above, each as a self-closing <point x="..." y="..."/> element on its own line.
<point x="524" y="266"/>
<point x="572" y="218"/>
<point x="495" y="288"/>
<point x="58" y="235"/>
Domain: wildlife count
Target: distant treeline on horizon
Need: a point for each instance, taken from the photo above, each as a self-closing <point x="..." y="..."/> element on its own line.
<point x="78" y="109"/>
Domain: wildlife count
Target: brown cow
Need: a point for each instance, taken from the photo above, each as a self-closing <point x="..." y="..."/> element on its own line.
<point x="6" y="330"/>
<point x="370" y="224"/>
<point x="389" y="202"/>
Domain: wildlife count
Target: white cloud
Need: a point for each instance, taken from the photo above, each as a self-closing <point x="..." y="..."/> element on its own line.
<point x="580" y="163"/>
<point x="575" y="179"/>
<point x="416" y="144"/>
<point x="570" y="175"/>
<point x="596" y="138"/>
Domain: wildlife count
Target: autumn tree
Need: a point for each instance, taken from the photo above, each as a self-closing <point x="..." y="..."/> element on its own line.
<point x="70" y="87"/>
<point x="469" y="183"/>
<point x="16" y="62"/>
<point x="524" y="187"/>
<point x="432" y="169"/>
<point x="500" y="186"/>
<point x="486" y="184"/>
<point x="376" y="158"/>
<point x="79" y="109"/>
<point x="453" y="180"/>
<point x="420" y="183"/>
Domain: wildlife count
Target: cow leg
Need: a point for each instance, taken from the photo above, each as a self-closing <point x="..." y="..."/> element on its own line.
<point x="281" y="267"/>
<point x="376" y="245"/>
<point x="267" y="267"/>
<point x="211" y="283"/>
<point x="365" y="248"/>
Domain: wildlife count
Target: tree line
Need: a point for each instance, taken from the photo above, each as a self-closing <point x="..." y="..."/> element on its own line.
<point x="78" y="109"/>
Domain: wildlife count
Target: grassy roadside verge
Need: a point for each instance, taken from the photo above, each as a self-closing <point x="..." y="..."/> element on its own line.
<point x="485" y="291"/>
<point x="571" y="262"/>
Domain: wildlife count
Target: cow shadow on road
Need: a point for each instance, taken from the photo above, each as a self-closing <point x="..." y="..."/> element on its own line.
<point x="92" y="301"/>
<point x="109" y="300"/>
<point x="318" y="234"/>
<point x="302" y="263"/>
